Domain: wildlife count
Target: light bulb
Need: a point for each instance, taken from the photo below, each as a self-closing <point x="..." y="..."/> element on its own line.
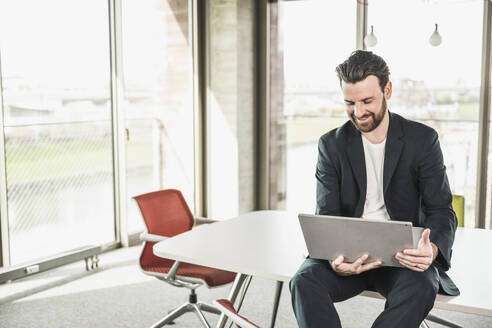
<point x="370" y="40"/>
<point x="435" y="39"/>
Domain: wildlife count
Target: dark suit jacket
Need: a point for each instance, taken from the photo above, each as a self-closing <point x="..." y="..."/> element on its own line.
<point x="415" y="183"/>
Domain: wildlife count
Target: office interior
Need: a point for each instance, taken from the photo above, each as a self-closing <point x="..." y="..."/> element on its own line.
<point x="223" y="100"/>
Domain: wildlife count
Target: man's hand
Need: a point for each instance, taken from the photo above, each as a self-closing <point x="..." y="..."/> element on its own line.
<point x="421" y="258"/>
<point x="358" y="266"/>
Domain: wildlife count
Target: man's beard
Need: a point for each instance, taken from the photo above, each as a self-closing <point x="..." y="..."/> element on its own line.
<point x="374" y="123"/>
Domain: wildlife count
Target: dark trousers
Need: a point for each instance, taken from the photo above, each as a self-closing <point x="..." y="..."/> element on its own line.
<point x="409" y="295"/>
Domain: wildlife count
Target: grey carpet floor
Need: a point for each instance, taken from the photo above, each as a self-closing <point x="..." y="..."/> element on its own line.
<point x="119" y="295"/>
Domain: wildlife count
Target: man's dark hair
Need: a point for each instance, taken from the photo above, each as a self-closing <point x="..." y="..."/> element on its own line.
<point x="360" y="65"/>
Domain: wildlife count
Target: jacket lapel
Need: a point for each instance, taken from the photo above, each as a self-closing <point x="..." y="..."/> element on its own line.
<point x="393" y="149"/>
<point x="355" y="152"/>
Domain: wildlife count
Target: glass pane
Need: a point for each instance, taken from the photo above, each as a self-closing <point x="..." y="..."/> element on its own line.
<point x="438" y="86"/>
<point x="60" y="188"/>
<point x="315" y="36"/>
<point x="57" y="110"/>
<point x="60" y="71"/>
<point x="158" y="100"/>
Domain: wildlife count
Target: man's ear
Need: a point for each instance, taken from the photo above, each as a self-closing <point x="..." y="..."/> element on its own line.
<point x="388" y="90"/>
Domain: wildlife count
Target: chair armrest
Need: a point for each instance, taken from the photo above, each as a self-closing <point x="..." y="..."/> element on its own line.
<point x="144" y="236"/>
<point x="201" y="220"/>
<point x="172" y="272"/>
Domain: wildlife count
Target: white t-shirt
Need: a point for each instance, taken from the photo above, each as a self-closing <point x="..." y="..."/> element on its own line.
<point x="374" y="208"/>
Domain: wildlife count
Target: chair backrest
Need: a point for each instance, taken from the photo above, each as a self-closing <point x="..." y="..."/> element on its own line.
<point x="165" y="212"/>
<point x="459" y="208"/>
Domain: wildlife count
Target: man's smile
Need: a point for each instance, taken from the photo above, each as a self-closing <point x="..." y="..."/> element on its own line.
<point x="364" y="119"/>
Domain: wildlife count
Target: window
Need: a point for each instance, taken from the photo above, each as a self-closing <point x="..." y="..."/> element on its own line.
<point x="57" y="126"/>
<point x="158" y="100"/>
<point x="438" y="86"/>
<point x="306" y="102"/>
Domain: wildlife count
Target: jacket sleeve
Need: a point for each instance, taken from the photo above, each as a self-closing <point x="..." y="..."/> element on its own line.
<point x="437" y="200"/>
<point x="327" y="182"/>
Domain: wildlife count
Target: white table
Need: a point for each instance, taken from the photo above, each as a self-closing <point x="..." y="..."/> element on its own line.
<point x="270" y="244"/>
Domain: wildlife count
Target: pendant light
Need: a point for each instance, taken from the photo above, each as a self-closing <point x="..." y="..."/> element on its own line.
<point x="370" y="40"/>
<point x="435" y="39"/>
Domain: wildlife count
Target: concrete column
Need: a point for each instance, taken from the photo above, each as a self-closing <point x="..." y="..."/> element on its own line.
<point x="230" y="113"/>
<point x="277" y="138"/>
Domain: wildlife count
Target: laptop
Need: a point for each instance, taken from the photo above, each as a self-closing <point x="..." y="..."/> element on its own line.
<point x="327" y="237"/>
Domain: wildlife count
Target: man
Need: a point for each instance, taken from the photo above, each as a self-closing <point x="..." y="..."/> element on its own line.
<point x="379" y="165"/>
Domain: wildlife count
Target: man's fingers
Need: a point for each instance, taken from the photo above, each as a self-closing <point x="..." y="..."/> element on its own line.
<point x="420" y="267"/>
<point x="369" y="266"/>
<point x="417" y="252"/>
<point x="345" y="267"/>
<point x="355" y="267"/>
<point x="412" y="266"/>
<point x="425" y="236"/>
<point x="338" y="260"/>
<point x="427" y="260"/>
<point x="336" y="263"/>
<point x="351" y="268"/>
<point x="360" y="260"/>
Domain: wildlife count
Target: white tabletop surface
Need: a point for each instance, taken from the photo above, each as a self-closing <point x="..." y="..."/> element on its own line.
<point x="264" y="243"/>
<point x="471" y="270"/>
<point x="270" y="244"/>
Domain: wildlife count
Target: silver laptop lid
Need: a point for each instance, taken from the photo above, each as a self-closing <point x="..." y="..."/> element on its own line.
<point x="327" y="237"/>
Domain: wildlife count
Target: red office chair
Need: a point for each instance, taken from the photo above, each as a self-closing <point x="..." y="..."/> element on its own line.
<point x="166" y="215"/>
<point x="226" y="307"/>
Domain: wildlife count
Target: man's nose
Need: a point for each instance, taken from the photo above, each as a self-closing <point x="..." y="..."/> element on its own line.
<point x="359" y="109"/>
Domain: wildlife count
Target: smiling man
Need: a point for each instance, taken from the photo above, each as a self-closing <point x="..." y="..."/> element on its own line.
<point x="381" y="166"/>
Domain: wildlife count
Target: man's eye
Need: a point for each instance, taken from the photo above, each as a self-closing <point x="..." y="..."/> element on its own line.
<point x="367" y="102"/>
<point x="349" y="103"/>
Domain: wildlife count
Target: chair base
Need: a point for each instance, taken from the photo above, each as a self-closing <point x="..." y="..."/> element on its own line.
<point x="439" y="320"/>
<point x="197" y="307"/>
